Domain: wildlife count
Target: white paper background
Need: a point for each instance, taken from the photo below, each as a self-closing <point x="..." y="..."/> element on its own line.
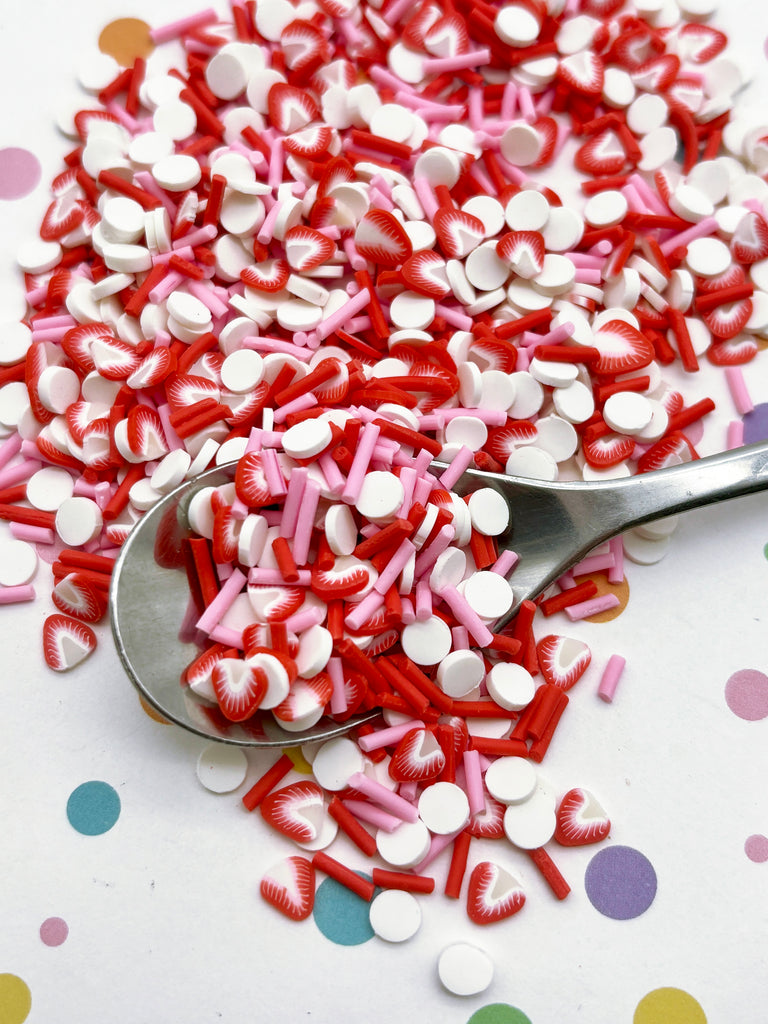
<point x="166" y="923"/>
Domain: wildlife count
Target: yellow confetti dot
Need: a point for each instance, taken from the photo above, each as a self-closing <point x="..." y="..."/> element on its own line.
<point x="125" y="39"/>
<point x="668" y="1006"/>
<point x="300" y="763"/>
<point x="15" y="999"/>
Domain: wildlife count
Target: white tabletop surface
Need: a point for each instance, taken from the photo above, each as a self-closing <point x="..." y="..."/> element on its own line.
<point x="165" y="922"/>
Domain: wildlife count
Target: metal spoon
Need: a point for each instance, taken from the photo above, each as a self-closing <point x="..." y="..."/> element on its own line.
<point x="552" y="527"/>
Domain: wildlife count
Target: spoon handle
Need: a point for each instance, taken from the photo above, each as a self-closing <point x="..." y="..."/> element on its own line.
<point x="640" y="499"/>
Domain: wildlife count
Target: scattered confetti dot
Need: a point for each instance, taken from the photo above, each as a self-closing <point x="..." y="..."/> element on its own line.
<point x="153" y="713"/>
<point x="340" y="915"/>
<point x="15" y="999"/>
<point x="498" y="1013"/>
<point x="300" y="763"/>
<point x="93" y="808"/>
<point x="20" y="172"/>
<point x="125" y="39"/>
<point x="620" y="882"/>
<point x="746" y="694"/>
<point x="621" y="590"/>
<point x="756" y="424"/>
<point x="756" y="848"/>
<point x="54" y="931"/>
<point x="668" y="1006"/>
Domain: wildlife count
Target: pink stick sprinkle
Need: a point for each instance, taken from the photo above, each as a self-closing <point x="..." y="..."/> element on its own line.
<point x="364" y="609"/>
<point x="467" y="616"/>
<point x="423" y="601"/>
<point x="508" y="101"/>
<point x="297" y="405"/>
<point x="384" y="797"/>
<point x="305" y="522"/>
<point x="435" y="420"/>
<point x="616" y="571"/>
<point x="32" y="534"/>
<point x="610" y="678"/>
<point x="215" y="611"/>
<point x="338" y="700"/>
<point x="199" y="236"/>
<point x="228" y="637"/>
<point x="273" y="577"/>
<point x="9" y="448"/>
<point x="474" y="781"/>
<point x="436" y="847"/>
<point x="454" y="317"/>
<point x="426" y="196"/>
<point x="205" y="294"/>
<point x="429" y="555"/>
<point x="373" y="815"/>
<point x="18" y="594"/>
<point x="525" y="102"/>
<point x="350" y="308"/>
<point x="594" y="606"/>
<point x="707" y="226"/>
<point x="305" y="618"/>
<point x="737" y="386"/>
<point x="460" y="638"/>
<point x="461" y="461"/>
<point x="470" y="59"/>
<point x="163" y="288"/>
<point x="735" y="434"/>
<point x="274" y="477"/>
<point x="387" y="737"/>
<point x="334" y="478"/>
<point x="594" y="563"/>
<point x="174" y="29"/>
<point x="296" y="484"/>
<point x="19" y="473"/>
<point x="365" y="445"/>
<point x="506" y="562"/>
<point x="392" y="569"/>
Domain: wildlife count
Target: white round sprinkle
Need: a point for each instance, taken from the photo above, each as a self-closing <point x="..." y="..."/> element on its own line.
<point x="521" y="144"/>
<point x="488" y="511"/>
<point x="15" y="340"/>
<point x="315" y="648"/>
<point x="574" y="403"/>
<point x="221" y="767"/>
<point x="395" y="915"/>
<point x="459" y="673"/>
<point x="708" y="257"/>
<point x="177" y="172"/>
<point x="409" y="310"/>
<point x="530" y="824"/>
<point x="336" y="762"/>
<point x="510" y="685"/>
<point x="532" y="462"/>
<point x="18" y="562"/>
<point x="381" y="495"/>
<point x="444" y="808"/>
<point x="511" y="780"/>
<point x="405" y="846"/>
<point x="307" y="438"/>
<point x="58" y="387"/>
<point x="527" y="211"/>
<point x="48" y="488"/>
<point x="605" y="209"/>
<point x="464" y="969"/>
<point x="78" y="520"/>
<point x="642" y="550"/>
<point x="427" y="643"/>
<point x="553" y="374"/>
<point x="489" y="594"/>
<point x="627" y="412"/>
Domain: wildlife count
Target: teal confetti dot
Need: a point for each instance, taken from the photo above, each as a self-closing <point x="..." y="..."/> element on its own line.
<point x="498" y="1013"/>
<point x="341" y="915"/>
<point x="93" y="808"/>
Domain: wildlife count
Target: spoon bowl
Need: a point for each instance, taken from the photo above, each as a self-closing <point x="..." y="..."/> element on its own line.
<point x="552" y="527"/>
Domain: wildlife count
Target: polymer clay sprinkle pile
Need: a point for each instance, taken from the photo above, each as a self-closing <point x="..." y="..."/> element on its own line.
<point x="322" y="246"/>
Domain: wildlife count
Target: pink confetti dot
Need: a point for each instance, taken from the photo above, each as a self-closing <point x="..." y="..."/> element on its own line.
<point x="20" y="172"/>
<point x="746" y="694"/>
<point x="54" y="931"/>
<point x="756" y="848"/>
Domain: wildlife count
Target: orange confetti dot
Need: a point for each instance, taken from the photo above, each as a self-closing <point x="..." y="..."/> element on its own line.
<point x="125" y="39"/>
<point x="621" y="590"/>
<point x="152" y="712"/>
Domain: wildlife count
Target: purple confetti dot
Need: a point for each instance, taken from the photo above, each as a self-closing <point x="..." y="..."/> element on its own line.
<point x="20" y="172"/>
<point x="746" y="694"/>
<point x="620" y="882"/>
<point x="756" y="424"/>
<point x="756" y="848"/>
